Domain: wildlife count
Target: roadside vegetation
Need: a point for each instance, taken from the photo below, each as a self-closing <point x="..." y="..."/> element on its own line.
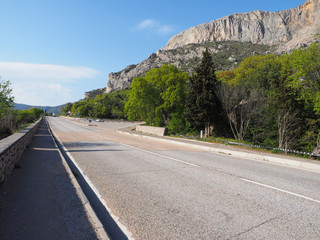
<point x="13" y="120"/>
<point x="267" y="100"/>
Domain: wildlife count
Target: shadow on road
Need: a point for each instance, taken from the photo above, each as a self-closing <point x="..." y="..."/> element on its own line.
<point x="111" y="227"/>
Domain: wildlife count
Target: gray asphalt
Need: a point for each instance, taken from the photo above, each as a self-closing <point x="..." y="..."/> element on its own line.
<point x="166" y="191"/>
<point x="39" y="201"/>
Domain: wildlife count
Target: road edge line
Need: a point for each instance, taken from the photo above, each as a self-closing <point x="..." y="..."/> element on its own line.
<point x="101" y="232"/>
<point x="115" y="218"/>
<point x="249" y="156"/>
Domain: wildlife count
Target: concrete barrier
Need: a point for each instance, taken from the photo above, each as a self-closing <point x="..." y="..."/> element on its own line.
<point x="159" y="131"/>
<point x="11" y="149"/>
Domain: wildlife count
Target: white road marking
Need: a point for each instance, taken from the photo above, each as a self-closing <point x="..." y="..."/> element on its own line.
<point x="163" y="156"/>
<point x="244" y="179"/>
<point x="281" y="190"/>
<point x="124" y="229"/>
<point x="153" y="153"/>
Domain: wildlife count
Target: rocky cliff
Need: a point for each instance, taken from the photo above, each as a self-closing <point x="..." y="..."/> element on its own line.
<point x="93" y="93"/>
<point x="286" y="30"/>
<point x="270" y="28"/>
<point x="226" y="55"/>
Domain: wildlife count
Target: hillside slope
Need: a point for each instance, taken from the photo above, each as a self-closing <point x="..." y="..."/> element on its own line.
<point x="266" y="31"/>
<point x="289" y="28"/>
<point x="55" y="110"/>
<point x="226" y="55"/>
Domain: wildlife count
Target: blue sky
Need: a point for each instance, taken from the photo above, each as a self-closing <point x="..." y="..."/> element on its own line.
<point x="53" y="51"/>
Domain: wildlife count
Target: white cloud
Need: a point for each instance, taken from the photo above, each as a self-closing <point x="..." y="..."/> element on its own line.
<point x="166" y="29"/>
<point x="148" y="23"/>
<point x="45" y="84"/>
<point x="16" y="70"/>
<point x="154" y="25"/>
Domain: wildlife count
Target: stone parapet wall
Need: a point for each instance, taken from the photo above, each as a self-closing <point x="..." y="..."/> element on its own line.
<point x="11" y="149"/>
<point x="159" y="131"/>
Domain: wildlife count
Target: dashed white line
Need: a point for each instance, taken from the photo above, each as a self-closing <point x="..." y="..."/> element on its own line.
<point x="281" y="190"/>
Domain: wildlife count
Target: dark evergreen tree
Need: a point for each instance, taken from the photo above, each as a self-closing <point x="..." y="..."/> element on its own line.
<point x="203" y="105"/>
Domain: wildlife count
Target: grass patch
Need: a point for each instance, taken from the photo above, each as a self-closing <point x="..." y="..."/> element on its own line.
<point x="238" y="144"/>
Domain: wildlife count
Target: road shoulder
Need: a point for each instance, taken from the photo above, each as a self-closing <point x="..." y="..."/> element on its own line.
<point x="40" y="199"/>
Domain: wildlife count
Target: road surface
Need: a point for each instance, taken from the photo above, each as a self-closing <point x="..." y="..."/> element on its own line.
<point x="165" y="191"/>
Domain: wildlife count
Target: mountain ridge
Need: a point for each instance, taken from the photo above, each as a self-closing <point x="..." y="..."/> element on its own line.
<point x="258" y="27"/>
<point x="286" y="30"/>
<point x="47" y="109"/>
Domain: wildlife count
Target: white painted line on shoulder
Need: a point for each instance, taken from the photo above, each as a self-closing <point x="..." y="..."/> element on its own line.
<point x="124" y="229"/>
<point x="153" y="153"/>
<point x="281" y="190"/>
<point x="163" y="156"/>
<point x="96" y="222"/>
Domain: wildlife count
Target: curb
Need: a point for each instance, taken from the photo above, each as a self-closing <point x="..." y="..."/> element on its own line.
<point x="251" y="156"/>
<point x="100" y="231"/>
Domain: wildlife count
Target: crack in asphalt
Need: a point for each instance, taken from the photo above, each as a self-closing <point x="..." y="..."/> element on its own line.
<point x="252" y="228"/>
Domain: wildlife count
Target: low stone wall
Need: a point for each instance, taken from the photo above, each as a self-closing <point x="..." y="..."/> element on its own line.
<point x="11" y="149"/>
<point x="159" y="131"/>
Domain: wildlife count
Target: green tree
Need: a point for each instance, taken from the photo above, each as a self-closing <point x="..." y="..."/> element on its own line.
<point x="158" y="98"/>
<point x="66" y="110"/>
<point x="282" y="102"/>
<point x="80" y="108"/>
<point x="6" y="100"/>
<point x="7" y="119"/>
<point x="106" y="105"/>
<point x="203" y="105"/>
<point x="29" y="115"/>
<point x="303" y="67"/>
<point x="117" y="100"/>
<point x="142" y="101"/>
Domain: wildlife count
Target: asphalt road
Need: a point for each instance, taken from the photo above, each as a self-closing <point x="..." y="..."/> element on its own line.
<point x="167" y="191"/>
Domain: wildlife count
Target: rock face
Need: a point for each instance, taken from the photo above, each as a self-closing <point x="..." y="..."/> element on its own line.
<point x="260" y="27"/>
<point x="185" y="58"/>
<point x="286" y="29"/>
<point x="93" y="93"/>
<point x="123" y="78"/>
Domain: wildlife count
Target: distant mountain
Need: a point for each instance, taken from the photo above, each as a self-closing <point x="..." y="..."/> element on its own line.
<point x="226" y="56"/>
<point x="55" y="110"/>
<point x="288" y="28"/>
<point x="93" y="93"/>
<point x="280" y="32"/>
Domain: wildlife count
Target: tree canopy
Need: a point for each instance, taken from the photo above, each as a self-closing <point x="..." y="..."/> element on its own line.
<point x="203" y="105"/>
<point x="6" y="99"/>
<point x="268" y="100"/>
<point x="159" y="98"/>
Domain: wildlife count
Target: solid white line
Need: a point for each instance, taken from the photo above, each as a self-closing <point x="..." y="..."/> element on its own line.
<point x="95" y="190"/>
<point x="95" y="220"/>
<point x="124" y="229"/>
<point x="281" y="190"/>
<point x="153" y="153"/>
<point x="163" y="156"/>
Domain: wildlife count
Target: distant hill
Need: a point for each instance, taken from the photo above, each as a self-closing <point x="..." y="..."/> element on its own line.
<point x="230" y="39"/>
<point x="55" y="110"/>
<point x="226" y="56"/>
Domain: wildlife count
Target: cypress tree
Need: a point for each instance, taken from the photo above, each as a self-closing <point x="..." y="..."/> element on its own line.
<point x="203" y="106"/>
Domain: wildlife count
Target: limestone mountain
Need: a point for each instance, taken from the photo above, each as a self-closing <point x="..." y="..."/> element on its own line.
<point x="256" y="32"/>
<point x="226" y="55"/>
<point x="289" y="28"/>
<point x="93" y="93"/>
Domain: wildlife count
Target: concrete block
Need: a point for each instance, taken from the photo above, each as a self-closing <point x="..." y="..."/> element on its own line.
<point x="159" y="131"/>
